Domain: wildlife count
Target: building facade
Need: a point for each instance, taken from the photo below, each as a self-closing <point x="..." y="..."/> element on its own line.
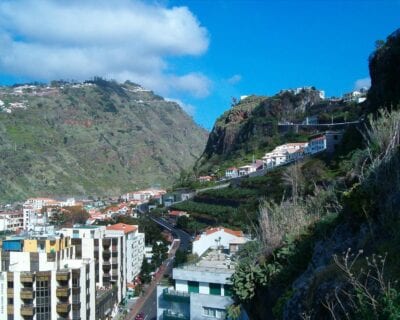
<point x="41" y="279"/>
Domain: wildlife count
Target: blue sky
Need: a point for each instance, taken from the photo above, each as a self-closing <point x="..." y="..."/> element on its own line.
<point x="200" y="53"/>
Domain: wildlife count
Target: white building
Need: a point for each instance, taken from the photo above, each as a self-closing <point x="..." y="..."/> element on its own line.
<point x="134" y="247"/>
<point x="202" y="290"/>
<point x="11" y="220"/>
<point x="92" y="242"/>
<point x="118" y="253"/>
<point x="219" y="237"/>
<point x="274" y="158"/>
<point x="231" y="173"/>
<point x="40" y="278"/>
<point x="316" y="144"/>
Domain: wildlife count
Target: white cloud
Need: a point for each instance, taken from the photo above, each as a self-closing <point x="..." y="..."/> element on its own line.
<point x="234" y="79"/>
<point x="126" y="39"/>
<point x="188" y="108"/>
<point x="360" y="83"/>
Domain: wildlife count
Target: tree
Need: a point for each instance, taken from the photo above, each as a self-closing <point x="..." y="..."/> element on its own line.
<point x="144" y="275"/>
<point x="160" y="253"/>
<point x="180" y="258"/>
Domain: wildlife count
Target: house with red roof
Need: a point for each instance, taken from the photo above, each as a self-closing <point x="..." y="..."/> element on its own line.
<point x="219" y="237"/>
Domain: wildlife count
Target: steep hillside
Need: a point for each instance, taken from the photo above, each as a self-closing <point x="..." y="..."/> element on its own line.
<point x="384" y="67"/>
<point x="94" y="138"/>
<point x="250" y="127"/>
<point x="332" y="252"/>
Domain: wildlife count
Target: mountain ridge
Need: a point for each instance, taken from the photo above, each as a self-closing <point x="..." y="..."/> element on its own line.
<point x="92" y="138"/>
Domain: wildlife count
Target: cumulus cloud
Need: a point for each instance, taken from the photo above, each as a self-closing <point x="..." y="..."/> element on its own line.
<point x="360" y="83"/>
<point x="125" y="39"/>
<point x="234" y="79"/>
<point x="188" y="108"/>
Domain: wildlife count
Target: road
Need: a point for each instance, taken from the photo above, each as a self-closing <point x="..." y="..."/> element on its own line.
<point x="148" y="302"/>
<point x="183" y="236"/>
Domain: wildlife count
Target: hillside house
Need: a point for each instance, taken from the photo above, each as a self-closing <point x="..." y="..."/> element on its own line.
<point x="217" y="238"/>
<point x="203" y="179"/>
<point x="231" y="173"/>
<point x="274" y="158"/>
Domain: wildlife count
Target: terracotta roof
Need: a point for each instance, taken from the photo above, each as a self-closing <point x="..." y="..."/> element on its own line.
<point x="236" y="233"/>
<point x="126" y="228"/>
<point x="177" y="213"/>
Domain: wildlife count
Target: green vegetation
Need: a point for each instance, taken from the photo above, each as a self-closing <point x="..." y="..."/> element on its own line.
<point x="92" y="139"/>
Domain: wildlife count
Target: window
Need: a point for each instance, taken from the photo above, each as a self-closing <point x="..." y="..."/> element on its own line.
<point x="193" y="286"/>
<point x="43" y="300"/>
<point x="214" y="313"/>
<point x="215" y="289"/>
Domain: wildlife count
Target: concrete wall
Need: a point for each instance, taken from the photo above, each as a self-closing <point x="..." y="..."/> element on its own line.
<point x="199" y="301"/>
<point x="201" y="275"/>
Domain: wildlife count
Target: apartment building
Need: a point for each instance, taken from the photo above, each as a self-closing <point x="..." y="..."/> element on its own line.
<point x="202" y="290"/>
<point x="117" y="251"/>
<point x="41" y="279"/>
<point x="11" y="220"/>
<point x="133" y="243"/>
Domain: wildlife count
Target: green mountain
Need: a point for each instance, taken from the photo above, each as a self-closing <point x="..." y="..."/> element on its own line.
<point x="94" y="138"/>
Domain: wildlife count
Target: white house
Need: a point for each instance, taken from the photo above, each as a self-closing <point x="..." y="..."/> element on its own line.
<point x="231" y="172"/>
<point x="216" y="237"/>
<point x="274" y="158"/>
<point x="316" y="144"/>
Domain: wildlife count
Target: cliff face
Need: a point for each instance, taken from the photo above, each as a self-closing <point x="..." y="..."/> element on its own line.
<point x="98" y="138"/>
<point x="251" y="125"/>
<point x="384" y="67"/>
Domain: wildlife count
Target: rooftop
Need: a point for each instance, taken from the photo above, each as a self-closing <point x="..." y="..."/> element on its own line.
<point x="126" y="228"/>
<point x="214" y="261"/>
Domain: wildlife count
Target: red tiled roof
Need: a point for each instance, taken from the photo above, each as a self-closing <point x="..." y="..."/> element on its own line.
<point x="236" y="233"/>
<point x="126" y="228"/>
<point x="176" y="213"/>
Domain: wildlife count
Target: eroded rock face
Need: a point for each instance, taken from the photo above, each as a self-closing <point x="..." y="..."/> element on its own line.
<point x="249" y="124"/>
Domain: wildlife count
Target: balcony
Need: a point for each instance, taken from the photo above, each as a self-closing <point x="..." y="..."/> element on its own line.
<point x="63" y="307"/>
<point x="10" y="309"/>
<point x="27" y="293"/>
<point x="62" y="276"/>
<point x="63" y="292"/>
<point x="76" y="306"/>
<point x="27" y="310"/>
<point x="106" y="254"/>
<point x="10" y="292"/>
<point x="76" y="290"/>
<point x="106" y="243"/>
<point x="176" y="296"/>
<point x="170" y="315"/>
<point x="114" y="272"/>
<point x="27" y="277"/>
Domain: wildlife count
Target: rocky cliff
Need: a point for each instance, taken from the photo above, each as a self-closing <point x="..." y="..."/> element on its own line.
<point x="93" y="138"/>
<point x="384" y="67"/>
<point x="250" y="127"/>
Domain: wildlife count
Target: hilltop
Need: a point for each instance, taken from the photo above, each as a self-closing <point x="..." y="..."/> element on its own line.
<point x="93" y="138"/>
<point x="252" y="127"/>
